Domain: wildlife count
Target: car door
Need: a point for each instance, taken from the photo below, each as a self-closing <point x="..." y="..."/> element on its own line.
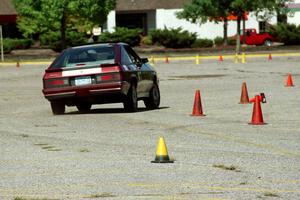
<point x="148" y="74"/>
<point x="143" y="72"/>
<point x="248" y="37"/>
<point x="252" y="37"/>
<point x="131" y="68"/>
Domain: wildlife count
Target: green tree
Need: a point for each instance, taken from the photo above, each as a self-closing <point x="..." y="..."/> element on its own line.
<point x="282" y="10"/>
<point x="200" y="11"/>
<point x="240" y="7"/>
<point x="57" y="17"/>
<point x="204" y="10"/>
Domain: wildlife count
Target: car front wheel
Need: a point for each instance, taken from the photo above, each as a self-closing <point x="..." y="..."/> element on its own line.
<point x="84" y="107"/>
<point x="268" y="43"/>
<point x="131" y="102"/>
<point x="58" y="107"/>
<point x="153" y="101"/>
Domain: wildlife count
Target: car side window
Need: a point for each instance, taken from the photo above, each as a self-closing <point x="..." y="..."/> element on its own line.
<point x="126" y="59"/>
<point x="133" y="56"/>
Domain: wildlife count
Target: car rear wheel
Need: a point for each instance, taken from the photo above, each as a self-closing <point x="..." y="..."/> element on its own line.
<point x="131" y="102"/>
<point x="84" y="107"/>
<point x="58" y="107"/>
<point x="153" y="101"/>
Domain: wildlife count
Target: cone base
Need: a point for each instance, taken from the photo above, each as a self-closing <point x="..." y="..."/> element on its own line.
<point x="259" y="123"/>
<point x="162" y="159"/>
<point x="198" y="115"/>
<point x="289" y="85"/>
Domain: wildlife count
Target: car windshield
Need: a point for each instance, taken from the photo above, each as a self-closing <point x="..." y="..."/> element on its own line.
<point x="89" y="55"/>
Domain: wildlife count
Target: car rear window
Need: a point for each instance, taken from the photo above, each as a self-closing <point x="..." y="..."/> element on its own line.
<point x="89" y="55"/>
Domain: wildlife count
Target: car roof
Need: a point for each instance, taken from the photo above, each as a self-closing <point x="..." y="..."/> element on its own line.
<point x="98" y="44"/>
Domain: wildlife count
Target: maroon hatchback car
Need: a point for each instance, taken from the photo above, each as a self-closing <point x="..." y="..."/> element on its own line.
<point x="100" y="73"/>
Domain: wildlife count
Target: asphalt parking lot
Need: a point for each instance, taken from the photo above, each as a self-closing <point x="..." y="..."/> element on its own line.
<point x="107" y="153"/>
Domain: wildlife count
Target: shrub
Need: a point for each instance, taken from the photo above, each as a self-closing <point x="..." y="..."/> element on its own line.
<point x="49" y="38"/>
<point x="289" y="34"/>
<point x="75" y="38"/>
<point x="53" y="39"/>
<point x="11" y="44"/>
<point x="219" y="41"/>
<point x="121" y="34"/>
<point x="147" y="40"/>
<point x="22" y="43"/>
<point x="173" y="38"/>
<point x="232" y="42"/>
<point x="199" y="43"/>
<point x="7" y="45"/>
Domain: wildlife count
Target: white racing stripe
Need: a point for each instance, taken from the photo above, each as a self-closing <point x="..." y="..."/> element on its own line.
<point x="79" y="72"/>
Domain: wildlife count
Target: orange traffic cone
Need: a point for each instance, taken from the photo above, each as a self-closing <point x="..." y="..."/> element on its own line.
<point x="162" y="153"/>
<point x="221" y="58"/>
<point x="18" y="64"/>
<point x="289" y="81"/>
<point x="244" y="94"/>
<point x="270" y="57"/>
<point x="167" y="59"/>
<point x="257" y="117"/>
<point x="197" y="110"/>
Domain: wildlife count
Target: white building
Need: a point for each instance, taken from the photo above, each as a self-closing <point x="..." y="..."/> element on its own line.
<point x="294" y="17"/>
<point x="157" y="14"/>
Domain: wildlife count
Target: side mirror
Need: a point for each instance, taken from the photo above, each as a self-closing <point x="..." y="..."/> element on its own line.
<point x="144" y="60"/>
<point x="263" y="98"/>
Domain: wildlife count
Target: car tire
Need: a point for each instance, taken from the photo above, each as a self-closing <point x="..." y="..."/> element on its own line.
<point x="153" y="101"/>
<point x="58" y="107"/>
<point x="131" y="101"/>
<point x="84" y="107"/>
<point x="268" y="43"/>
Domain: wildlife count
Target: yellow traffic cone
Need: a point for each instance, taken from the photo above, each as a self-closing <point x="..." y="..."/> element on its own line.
<point x="162" y="153"/>
<point x="236" y="58"/>
<point x="197" y="59"/>
<point x="243" y="58"/>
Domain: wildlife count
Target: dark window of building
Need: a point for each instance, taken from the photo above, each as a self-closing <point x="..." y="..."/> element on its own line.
<point x="132" y="20"/>
<point x="262" y="27"/>
<point x="11" y="31"/>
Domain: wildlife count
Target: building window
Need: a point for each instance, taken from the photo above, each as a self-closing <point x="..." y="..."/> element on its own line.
<point x="262" y="26"/>
<point x="132" y="20"/>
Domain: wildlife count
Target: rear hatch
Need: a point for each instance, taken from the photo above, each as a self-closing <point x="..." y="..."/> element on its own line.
<point x="83" y="67"/>
<point x="82" y="76"/>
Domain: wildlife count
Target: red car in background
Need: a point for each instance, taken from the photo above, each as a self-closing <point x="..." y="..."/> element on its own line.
<point x="254" y="38"/>
<point x="100" y="73"/>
